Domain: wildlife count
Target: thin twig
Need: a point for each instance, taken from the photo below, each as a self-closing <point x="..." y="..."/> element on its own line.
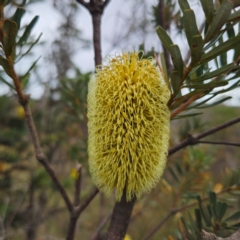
<point x="101" y="226"/>
<point x="78" y="186"/>
<point x="220" y="143"/>
<point x="191" y="140"/>
<point x="87" y="201"/>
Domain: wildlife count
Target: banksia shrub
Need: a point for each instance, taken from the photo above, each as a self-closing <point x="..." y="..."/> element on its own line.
<point x="128" y="126"/>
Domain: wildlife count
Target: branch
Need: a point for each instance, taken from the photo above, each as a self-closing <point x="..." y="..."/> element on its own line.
<point x="23" y="99"/>
<point x="120" y="218"/>
<point x="101" y="226"/>
<point x="220" y="143"/>
<point x="87" y="201"/>
<point x="191" y="140"/>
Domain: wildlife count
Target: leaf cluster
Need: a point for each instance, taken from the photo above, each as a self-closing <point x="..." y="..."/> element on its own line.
<point x="195" y="79"/>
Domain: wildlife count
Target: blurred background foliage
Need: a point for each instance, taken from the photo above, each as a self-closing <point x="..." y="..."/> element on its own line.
<point x="200" y="187"/>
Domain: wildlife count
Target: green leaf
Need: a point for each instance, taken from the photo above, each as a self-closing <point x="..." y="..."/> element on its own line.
<point x="212" y="42"/>
<point x="164" y="69"/>
<point x="215" y="73"/>
<point x="164" y="38"/>
<point x="184" y="4"/>
<point x="10" y="32"/>
<point x="184" y="98"/>
<point x="173" y="174"/>
<point x="234" y="217"/>
<point x="230" y="30"/>
<point x="177" y="59"/>
<point x="190" y="25"/>
<point x="31" y="67"/>
<point x="175" y="82"/>
<point x="229" y="44"/>
<point x="213" y="199"/>
<point x="234" y="16"/>
<point x="198" y="219"/>
<point x="223" y="56"/>
<point x="186" y="115"/>
<point x="208" y="9"/>
<point x="209" y="85"/>
<point x="6" y="82"/>
<point x="5" y="64"/>
<point x="18" y="16"/>
<point x="28" y="30"/>
<point x="221" y="209"/>
<point x="30" y="48"/>
<point x="215" y="103"/>
<point x="219" y="20"/>
<point x="196" y="48"/>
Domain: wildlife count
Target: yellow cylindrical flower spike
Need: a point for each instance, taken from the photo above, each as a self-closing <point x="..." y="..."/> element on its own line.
<point x="128" y="126"/>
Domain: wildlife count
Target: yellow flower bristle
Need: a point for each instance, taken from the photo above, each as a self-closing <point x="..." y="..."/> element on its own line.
<point x="128" y="126"/>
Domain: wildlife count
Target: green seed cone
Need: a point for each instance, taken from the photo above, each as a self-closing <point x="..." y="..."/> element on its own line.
<point x="128" y="126"/>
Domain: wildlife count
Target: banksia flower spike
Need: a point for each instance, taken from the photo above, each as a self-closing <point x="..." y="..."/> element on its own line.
<point x="128" y="126"/>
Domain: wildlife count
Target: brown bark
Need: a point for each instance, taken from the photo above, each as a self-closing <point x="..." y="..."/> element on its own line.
<point x="120" y="219"/>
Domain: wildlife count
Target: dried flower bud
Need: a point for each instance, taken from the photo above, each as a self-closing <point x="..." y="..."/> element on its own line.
<point x="128" y="126"/>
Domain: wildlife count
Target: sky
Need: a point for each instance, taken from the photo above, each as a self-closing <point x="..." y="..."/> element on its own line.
<point x="113" y="28"/>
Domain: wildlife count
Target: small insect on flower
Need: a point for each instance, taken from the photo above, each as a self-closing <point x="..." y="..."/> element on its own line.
<point x="128" y="125"/>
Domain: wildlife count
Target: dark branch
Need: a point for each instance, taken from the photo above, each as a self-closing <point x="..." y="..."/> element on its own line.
<point x="100" y="227"/>
<point x="120" y="218"/>
<point x="191" y="140"/>
<point x="220" y="143"/>
<point x="87" y="201"/>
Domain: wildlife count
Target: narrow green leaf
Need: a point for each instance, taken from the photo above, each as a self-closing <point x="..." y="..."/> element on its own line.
<point x="196" y="49"/>
<point x="10" y="32"/>
<point x="234" y="16"/>
<point x="18" y="16"/>
<point x="186" y="115"/>
<point x="180" y="100"/>
<point x="198" y="219"/>
<point x="30" y="48"/>
<point x="179" y="169"/>
<point x="234" y="216"/>
<point x="208" y="9"/>
<point x="212" y="42"/>
<point x="173" y="174"/>
<point x="215" y="73"/>
<point x="190" y="25"/>
<point x="229" y="44"/>
<point x="233" y="86"/>
<point x="6" y="82"/>
<point x="177" y="59"/>
<point x="213" y="199"/>
<point x="209" y="85"/>
<point x="28" y="30"/>
<point x="184" y="4"/>
<point x="175" y="82"/>
<point x="230" y="30"/>
<point x="215" y="103"/>
<point x="5" y="64"/>
<point x="221" y="209"/>
<point x="164" y="38"/>
<point x="31" y="67"/>
<point x="164" y="69"/>
<point x="223" y="56"/>
<point x="219" y="20"/>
